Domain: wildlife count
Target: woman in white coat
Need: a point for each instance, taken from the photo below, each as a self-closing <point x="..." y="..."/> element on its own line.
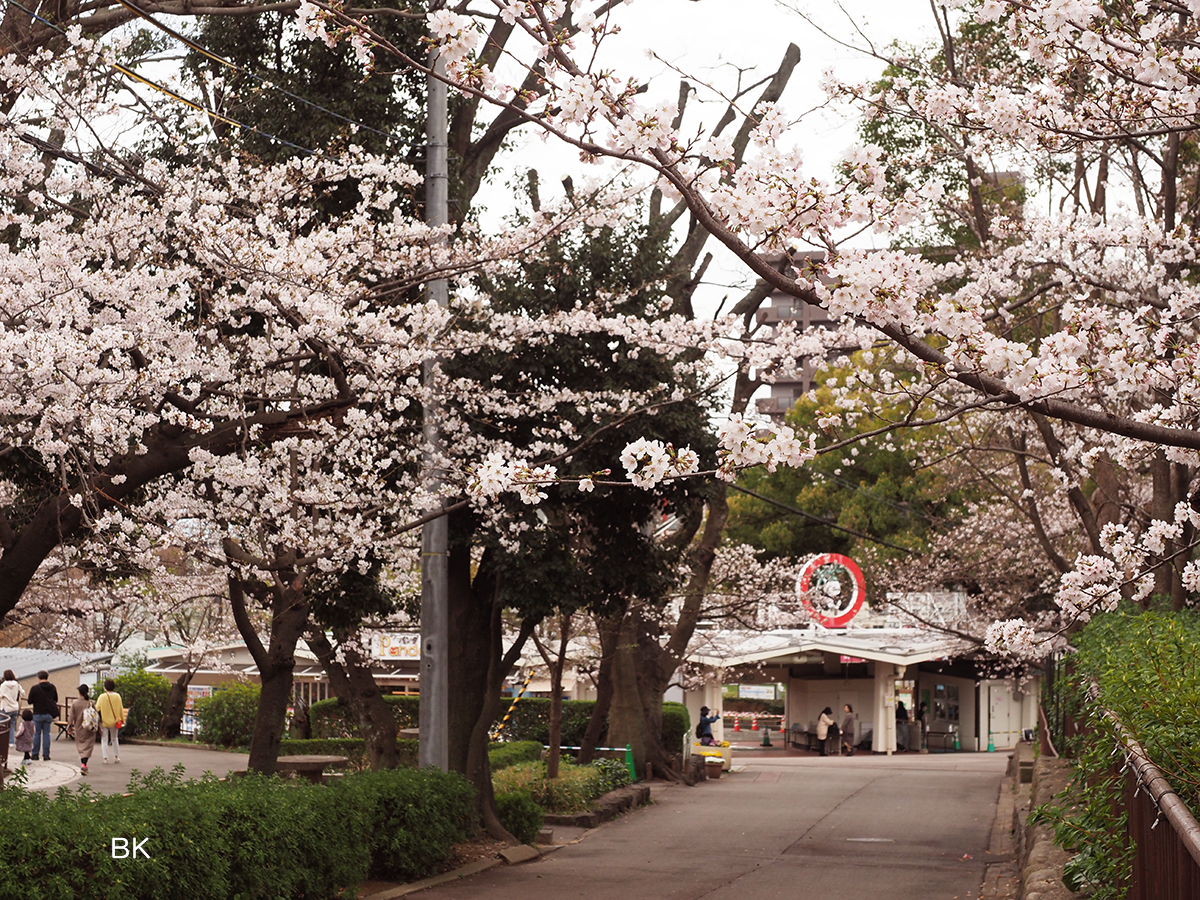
<point x="11" y="695"/>
<point x="823" y="723"/>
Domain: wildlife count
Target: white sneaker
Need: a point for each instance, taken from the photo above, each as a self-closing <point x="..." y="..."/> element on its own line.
<point x="116" y="759"/>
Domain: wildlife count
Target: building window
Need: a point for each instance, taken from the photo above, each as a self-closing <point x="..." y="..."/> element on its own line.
<point x="945" y="703"/>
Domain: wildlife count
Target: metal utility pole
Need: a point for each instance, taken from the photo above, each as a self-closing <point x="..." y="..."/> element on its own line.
<point x="434" y="746"/>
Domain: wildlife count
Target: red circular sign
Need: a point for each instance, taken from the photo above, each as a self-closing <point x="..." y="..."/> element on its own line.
<point x="832" y="588"/>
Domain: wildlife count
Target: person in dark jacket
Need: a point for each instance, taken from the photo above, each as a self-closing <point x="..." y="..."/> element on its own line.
<point x="43" y="697"/>
<point x="848" y="731"/>
<point x="704" y="728"/>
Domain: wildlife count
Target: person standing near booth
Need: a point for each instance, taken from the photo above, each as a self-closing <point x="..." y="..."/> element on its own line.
<point x="11" y="695"/>
<point x="823" y="723"/>
<point x="43" y="697"/>
<point x="848" y="731"/>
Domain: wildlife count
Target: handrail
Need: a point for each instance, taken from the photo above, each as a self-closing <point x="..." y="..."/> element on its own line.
<point x="1152" y="778"/>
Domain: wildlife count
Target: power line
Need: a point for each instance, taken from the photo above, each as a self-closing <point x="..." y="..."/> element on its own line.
<point x="124" y="70"/>
<point x="204" y="51"/>
<point x="821" y="520"/>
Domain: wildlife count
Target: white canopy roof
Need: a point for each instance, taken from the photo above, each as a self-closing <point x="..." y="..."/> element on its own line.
<point x="900" y="646"/>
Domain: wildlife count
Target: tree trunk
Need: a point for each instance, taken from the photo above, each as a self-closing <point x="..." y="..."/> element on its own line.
<point x="627" y="718"/>
<point x="172" y="720"/>
<point x="476" y="670"/>
<point x="1180" y="478"/>
<point x="355" y="686"/>
<point x="1162" y="506"/>
<point x="609" y="629"/>
<point x="276" y="664"/>
<point x="556" y="664"/>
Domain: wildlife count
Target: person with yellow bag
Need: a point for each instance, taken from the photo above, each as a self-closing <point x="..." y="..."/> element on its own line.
<point x="112" y="719"/>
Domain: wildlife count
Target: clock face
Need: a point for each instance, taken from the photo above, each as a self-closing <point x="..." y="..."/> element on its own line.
<point x="832" y="588"/>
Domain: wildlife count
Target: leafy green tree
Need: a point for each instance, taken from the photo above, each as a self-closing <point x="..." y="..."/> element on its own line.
<point x="877" y="490"/>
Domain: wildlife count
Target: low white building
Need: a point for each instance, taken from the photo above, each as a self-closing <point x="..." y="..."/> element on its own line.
<point x="872" y="669"/>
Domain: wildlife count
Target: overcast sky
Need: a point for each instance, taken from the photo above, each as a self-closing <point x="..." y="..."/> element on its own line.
<point x="710" y="40"/>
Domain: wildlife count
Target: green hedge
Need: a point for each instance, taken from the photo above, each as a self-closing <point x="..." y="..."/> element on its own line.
<point x="145" y="695"/>
<point x="1146" y="666"/>
<point x="530" y="720"/>
<point x="676" y="724"/>
<point x="252" y="838"/>
<point x="333" y="719"/>
<point x="227" y="717"/>
<point x="353" y="748"/>
<point x="520" y="814"/>
<point x="501" y="756"/>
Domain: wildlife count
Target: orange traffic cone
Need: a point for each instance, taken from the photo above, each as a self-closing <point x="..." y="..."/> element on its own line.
<point x="754" y="724"/>
<point x="737" y="723"/>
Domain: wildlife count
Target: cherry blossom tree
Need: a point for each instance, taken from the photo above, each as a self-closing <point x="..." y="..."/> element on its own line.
<point x="1115" y="356"/>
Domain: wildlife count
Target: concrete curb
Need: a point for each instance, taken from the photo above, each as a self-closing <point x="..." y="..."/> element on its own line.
<point x="403" y="890"/>
<point x="1042" y="860"/>
<point x="1000" y="877"/>
<point x="188" y="745"/>
<point x="605" y="808"/>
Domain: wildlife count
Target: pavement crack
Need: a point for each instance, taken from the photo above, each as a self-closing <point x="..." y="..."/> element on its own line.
<point x="832" y="810"/>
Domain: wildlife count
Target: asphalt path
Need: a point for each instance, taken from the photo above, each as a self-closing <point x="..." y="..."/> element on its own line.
<point x="62" y="769"/>
<point x="909" y="827"/>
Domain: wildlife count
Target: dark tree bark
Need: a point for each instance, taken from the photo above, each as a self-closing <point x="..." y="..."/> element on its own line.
<point x="609" y="630"/>
<point x="172" y="719"/>
<point x="276" y="661"/>
<point x="556" y="663"/>
<point x="355" y="686"/>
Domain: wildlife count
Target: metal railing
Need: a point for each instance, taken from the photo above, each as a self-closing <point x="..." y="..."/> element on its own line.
<point x="1163" y="830"/>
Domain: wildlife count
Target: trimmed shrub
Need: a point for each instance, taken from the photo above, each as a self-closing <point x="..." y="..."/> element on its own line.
<point x="252" y="838"/>
<point x="676" y="725"/>
<point x="412" y="817"/>
<point x="501" y="756"/>
<point x="530" y="720"/>
<point x="333" y="719"/>
<point x="355" y="749"/>
<point x="520" y="815"/>
<point x="1144" y="665"/>
<point x="613" y="774"/>
<point x="572" y="791"/>
<point x="227" y="717"/>
<point x="145" y="694"/>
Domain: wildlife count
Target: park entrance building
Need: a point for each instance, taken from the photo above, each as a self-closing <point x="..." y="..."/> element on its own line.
<point x="871" y="669"/>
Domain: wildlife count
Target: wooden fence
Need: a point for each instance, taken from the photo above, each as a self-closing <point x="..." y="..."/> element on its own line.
<point x="1164" y="831"/>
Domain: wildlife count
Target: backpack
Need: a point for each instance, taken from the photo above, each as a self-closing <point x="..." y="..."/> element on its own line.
<point x="697" y="731"/>
<point x="91" y="719"/>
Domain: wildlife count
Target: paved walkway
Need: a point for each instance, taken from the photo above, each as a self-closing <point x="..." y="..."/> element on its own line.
<point x="62" y="769"/>
<point x="908" y="827"/>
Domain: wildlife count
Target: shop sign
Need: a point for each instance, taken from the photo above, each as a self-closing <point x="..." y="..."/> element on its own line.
<point x="398" y="646"/>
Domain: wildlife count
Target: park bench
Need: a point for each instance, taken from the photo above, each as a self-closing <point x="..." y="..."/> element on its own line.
<point x="310" y="766"/>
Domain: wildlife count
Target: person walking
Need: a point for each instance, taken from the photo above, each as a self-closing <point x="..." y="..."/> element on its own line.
<point x="81" y="729"/>
<point x="823" y="723"/>
<point x="11" y="695"/>
<point x="43" y="697"/>
<point x="848" y="730"/>
<point x="112" y="717"/>
<point x="23" y="739"/>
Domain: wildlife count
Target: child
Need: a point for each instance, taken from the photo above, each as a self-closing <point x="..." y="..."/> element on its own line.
<point x="23" y="739"/>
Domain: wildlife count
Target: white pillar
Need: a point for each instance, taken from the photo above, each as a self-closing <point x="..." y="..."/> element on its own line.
<point x="883" y="739"/>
